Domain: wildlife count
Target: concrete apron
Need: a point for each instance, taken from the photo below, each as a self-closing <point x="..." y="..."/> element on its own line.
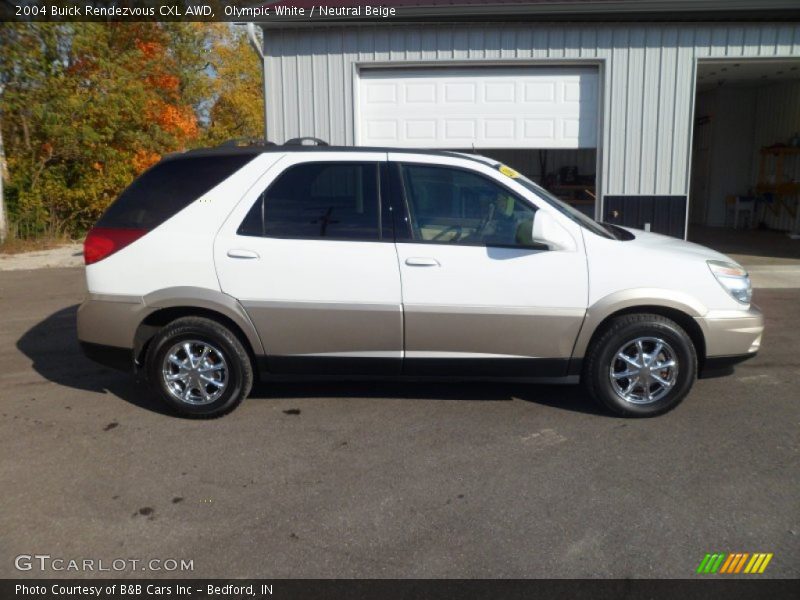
<point x="774" y="276"/>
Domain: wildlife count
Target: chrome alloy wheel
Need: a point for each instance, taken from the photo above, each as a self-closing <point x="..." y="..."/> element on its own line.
<point x="195" y="372"/>
<point x="644" y="370"/>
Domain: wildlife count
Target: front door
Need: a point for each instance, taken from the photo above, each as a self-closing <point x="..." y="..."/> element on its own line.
<point x="479" y="297"/>
<point x="309" y="258"/>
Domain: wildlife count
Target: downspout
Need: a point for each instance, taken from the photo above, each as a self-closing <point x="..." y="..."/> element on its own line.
<point x="257" y="46"/>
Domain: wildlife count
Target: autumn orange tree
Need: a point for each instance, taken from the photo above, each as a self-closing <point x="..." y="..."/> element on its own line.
<point x="237" y="109"/>
<point x="86" y="107"/>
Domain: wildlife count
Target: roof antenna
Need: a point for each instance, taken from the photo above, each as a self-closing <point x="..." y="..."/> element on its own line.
<point x="473" y="148"/>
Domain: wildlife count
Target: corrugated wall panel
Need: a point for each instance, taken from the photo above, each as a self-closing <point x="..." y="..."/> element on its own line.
<point x="648" y="87"/>
<point x="666" y="109"/>
<point x="734" y="44"/>
<point x="650" y="105"/>
<point x="306" y="91"/>
<point x="616" y="110"/>
<point x="634" y="114"/>
<point x="682" y="114"/>
<point x="321" y="90"/>
<point x="350" y="57"/>
<point x="336" y="80"/>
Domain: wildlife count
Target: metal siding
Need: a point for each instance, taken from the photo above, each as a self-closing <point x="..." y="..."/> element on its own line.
<point x="337" y="83"/>
<point x="444" y="44"/>
<point x="648" y="133"/>
<point x="634" y="115"/>
<point x="274" y="91"/>
<point x="508" y="45"/>
<point x="648" y="88"/>
<point x="349" y="57"/>
<point x="666" y="109"/>
<point x="682" y="120"/>
<point x="460" y="44"/>
<point x="321" y="86"/>
<point x="306" y="90"/>
<point x="734" y="45"/>
<point x="617" y="111"/>
<point x="662" y="214"/>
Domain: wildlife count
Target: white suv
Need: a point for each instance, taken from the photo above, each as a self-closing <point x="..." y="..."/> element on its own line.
<point x="219" y="265"/>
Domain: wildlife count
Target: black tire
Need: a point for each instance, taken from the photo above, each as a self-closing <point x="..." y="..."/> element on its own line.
<point x="601" y="357"/>
<point x="238" y="376"/>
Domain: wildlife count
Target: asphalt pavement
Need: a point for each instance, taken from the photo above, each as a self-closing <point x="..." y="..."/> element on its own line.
<point x="387" y="479"/>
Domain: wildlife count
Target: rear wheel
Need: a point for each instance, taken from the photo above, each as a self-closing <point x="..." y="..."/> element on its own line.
<point x="199" y="367"/>
<point x="641" y="365"/>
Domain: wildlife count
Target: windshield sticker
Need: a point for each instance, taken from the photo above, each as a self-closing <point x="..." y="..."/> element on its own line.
<point x="508" y="171"/>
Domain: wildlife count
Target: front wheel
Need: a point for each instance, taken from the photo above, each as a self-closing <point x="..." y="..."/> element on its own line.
<point x="199" y="367"/>
<point x="641" y="365"/>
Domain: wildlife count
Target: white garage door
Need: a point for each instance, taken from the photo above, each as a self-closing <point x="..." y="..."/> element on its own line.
<point x="517" y="107"/>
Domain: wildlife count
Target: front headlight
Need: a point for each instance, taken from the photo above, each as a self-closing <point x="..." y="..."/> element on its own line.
<point x="733" y="278"/>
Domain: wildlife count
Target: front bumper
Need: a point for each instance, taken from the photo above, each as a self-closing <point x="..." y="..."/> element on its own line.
<point x="731" y="336"/>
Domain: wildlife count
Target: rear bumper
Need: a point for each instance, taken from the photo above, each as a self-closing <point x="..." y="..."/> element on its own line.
<point x="106" y="328"/>
<point x="731" y="336"/>
<point x="110" y="320"/>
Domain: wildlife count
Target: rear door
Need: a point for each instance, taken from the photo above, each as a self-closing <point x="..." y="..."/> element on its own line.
<point x="310" y="255"/>
<point x="479" y="297"/>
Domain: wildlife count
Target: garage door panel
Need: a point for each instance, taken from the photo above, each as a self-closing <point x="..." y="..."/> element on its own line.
<point x="420" y="93"/>
<point x="421" y="130"/>
<point x="490" y="107"/>
<point x="540" y="91"/>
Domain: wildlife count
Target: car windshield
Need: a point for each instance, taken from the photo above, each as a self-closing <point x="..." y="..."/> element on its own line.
<point x="561" y="206"/>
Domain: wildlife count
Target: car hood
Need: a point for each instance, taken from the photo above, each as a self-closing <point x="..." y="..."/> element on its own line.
<point x="656" y="241"/>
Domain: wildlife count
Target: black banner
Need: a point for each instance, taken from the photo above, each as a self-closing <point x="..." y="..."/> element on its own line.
<point x="403" y="589"/>
<point x="298" y="12"/>
<point x="264" y="11"/>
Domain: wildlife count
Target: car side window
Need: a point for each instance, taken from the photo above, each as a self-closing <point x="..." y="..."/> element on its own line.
<point x="321" y="200"/>
<point x="455" y="206"/>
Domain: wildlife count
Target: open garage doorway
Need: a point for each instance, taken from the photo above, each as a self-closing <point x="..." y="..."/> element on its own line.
<point x="540" y="119"/>
<point x="569" y="174"/>
<point x="745" y="179"/>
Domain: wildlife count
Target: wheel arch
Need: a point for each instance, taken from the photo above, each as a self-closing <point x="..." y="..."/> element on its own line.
<point x="168" y="305"/>
<point x="674" y="306"/>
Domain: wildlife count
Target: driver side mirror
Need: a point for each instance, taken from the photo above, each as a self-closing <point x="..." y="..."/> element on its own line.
<point x="548" y="231"/>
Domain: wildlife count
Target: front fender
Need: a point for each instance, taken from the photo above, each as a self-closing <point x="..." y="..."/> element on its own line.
<point x="633" y="298"/>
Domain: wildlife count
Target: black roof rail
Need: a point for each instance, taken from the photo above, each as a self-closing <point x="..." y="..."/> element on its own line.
<point x="245" y="142"/>
<point x="235" y="147"/>
<point x="300" y="141"/>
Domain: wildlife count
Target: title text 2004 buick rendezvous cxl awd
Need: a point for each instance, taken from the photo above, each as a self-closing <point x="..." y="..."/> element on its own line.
<point x="219" y="265"/>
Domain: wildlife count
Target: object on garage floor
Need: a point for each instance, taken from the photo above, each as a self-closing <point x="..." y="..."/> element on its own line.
<point x="736" y="207"/>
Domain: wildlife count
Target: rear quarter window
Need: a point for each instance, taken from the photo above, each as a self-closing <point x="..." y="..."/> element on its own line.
<point x="167" y="188"/>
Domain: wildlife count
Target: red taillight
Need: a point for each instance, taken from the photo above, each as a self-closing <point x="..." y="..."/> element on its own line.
<point x="102" y="242"/>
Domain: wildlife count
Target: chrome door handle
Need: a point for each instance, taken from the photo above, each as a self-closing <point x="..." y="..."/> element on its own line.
<point x="422" y="262"/>
<point x="239" y="253"/>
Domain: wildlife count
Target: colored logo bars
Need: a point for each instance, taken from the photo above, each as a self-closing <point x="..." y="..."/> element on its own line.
<point x="737" y="562"/>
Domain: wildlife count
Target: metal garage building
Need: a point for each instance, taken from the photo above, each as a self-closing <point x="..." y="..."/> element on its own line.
<point x="598" y="96"/>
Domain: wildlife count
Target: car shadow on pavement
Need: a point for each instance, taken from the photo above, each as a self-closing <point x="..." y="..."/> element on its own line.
<point x="52" y="346"/>
<point x="565" y="397"/>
